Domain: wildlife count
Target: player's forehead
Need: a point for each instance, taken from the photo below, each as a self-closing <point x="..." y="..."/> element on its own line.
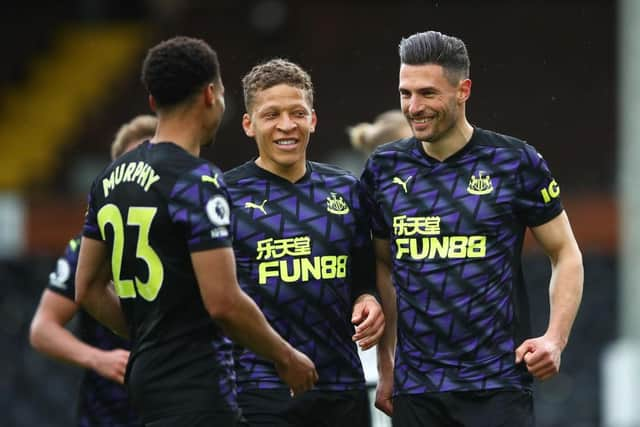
<point x="281" y="96"/>
<point x="415" y="77"/>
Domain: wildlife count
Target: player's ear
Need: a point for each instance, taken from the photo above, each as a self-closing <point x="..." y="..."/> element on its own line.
<point x="314" y="121"/>
<point x="247" y="125"/>
<point x="464" y="90"/>
<point x="209" y="94"/>
<point x="152" y="103"/>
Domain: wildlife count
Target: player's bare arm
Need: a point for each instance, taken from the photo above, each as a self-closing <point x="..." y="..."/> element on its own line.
<point x="387" y="344"/>
<point x="243" y="321"/>
<point x="542" y="355"/>
<point x="48" y="335"/>
<point x="93" y="292"/>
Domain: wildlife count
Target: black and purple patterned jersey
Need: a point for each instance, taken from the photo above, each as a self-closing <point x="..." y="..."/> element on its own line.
<point x="153" y="207"/>
<point x="100" y="401"/>
<point x="456" y="229"/>
<point x="303" y="253"/>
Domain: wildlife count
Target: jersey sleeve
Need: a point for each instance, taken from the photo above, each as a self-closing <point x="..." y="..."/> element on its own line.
<point x="199" y="202"/>
<point x="538" y="199"/>
<point x="369" y="181"/>
<point x="62" y="279"/>
<point x="91" y="228"/>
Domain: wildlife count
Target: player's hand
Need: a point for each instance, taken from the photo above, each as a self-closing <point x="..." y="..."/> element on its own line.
<point x="384" y="393"/>
<point x="541" y="356"/>
<point x="298" y="372"/>
<point x="368" y="318"/>
<point x="112" y="364"/>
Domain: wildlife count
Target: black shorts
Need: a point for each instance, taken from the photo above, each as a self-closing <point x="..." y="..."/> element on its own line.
<point x="226" y="419"/>
<point x="276" y="408"/>
<point x="179" y="384"/>
<point x="491" y="408"/>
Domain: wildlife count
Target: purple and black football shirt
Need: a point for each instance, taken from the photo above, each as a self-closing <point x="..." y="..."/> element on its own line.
<point x="303" y="253"/>
<point x="153" y="207"/>
<point x="456" y="229"/>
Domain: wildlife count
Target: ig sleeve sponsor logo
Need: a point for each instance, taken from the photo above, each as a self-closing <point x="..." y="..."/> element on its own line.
<point x="551" y="192"/>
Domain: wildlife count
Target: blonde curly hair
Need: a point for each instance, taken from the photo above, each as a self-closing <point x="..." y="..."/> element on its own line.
<point x="135" y="131"/>
<point x="388" y="126"/>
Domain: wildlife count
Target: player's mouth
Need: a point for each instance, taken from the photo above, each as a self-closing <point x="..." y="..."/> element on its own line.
<point x="421" y="122"/>
<point x="286" y="143"/>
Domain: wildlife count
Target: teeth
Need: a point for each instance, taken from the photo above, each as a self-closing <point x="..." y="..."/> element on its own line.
<point x="286" y="142"/>
<point x="420" y="120"/>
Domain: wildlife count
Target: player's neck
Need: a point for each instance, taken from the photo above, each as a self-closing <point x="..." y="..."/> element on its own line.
<point x="291" y="173"/>
<point x="451" y="143"/>
<point x="179" y="132"/>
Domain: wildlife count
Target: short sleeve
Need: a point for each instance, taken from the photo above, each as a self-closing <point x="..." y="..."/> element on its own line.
<point x="199" y="202"/>
<point x="538" y="199"/>
<point x="91" y="228"/>
<point x="62" y="279"/>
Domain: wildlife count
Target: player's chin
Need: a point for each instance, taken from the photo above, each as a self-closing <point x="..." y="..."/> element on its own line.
<point x="422" y="135"/>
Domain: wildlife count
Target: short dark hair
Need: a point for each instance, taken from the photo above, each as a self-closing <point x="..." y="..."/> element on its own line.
<point x="175" y="69"/>
<point x="272" y="73"/>
<point x="433" y="47"/>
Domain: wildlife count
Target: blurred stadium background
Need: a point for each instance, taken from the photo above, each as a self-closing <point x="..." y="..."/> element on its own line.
<point x="546" y="71"/>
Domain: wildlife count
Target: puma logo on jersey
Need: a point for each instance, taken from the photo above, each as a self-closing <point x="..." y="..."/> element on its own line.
<point x="400" y="182"/>
<point x="260" y="207"/>
<point x="213" y="179"/>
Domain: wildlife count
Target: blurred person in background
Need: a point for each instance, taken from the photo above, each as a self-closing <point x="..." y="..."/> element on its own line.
<point x="102" y="398"/>
<point x="364" y="137"/>
<point x="388" y="126"/>
<point x="304" y="254"/>
<point x="450" y="207"/>
<point x="158" y="223"/>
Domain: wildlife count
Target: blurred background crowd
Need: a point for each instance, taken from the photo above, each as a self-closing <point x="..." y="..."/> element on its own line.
<point x="544" y="71"/>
